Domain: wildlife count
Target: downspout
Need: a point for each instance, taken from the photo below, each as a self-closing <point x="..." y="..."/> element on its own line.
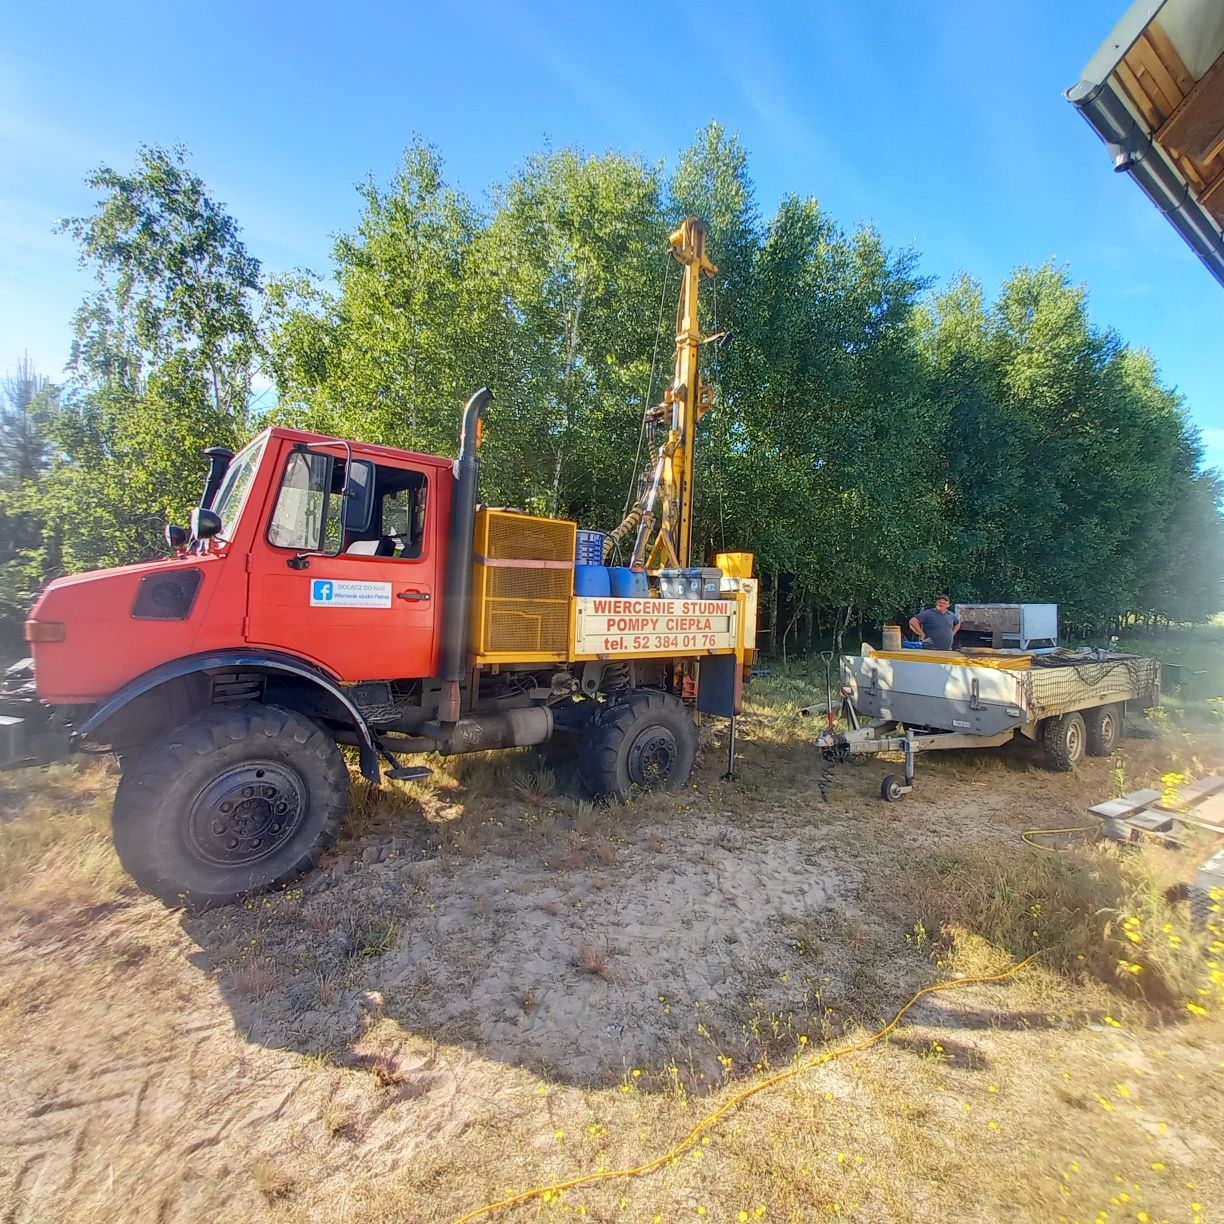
<point x="458" y="587"/>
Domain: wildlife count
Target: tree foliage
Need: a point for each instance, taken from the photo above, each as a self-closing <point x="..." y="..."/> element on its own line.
<point x="870" y="441"/>
<point x="163" y="359"/>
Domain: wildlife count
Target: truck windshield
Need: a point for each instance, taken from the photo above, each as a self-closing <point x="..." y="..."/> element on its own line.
<point x="232" y="494"/>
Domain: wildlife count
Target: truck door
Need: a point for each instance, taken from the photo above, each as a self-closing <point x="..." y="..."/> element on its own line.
<point x="346" y="569"/>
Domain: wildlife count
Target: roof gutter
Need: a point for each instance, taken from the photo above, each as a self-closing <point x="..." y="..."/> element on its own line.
<point x="1136" y="153"/>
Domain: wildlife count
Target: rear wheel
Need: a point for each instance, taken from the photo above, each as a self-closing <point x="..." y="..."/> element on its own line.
<point x="1062" y="739"/>
<point x="1104" y="728"/>
<point x="647" y="741"/>
<point x="236" y="800"/>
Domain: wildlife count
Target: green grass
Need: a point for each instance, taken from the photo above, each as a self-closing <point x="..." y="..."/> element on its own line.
<point x="1194" y="655"/>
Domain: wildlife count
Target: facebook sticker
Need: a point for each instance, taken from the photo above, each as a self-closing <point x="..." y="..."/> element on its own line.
<point x="344" y="593"/>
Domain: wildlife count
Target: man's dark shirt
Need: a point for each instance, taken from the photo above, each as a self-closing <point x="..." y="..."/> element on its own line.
<point x="938" y="628"/>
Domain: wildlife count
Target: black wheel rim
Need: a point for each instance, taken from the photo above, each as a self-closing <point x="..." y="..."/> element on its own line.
<point x="246" y="813"/>
<point x="652" y="757"/>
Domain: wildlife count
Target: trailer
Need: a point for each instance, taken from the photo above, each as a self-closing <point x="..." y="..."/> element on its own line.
<point x="1072" y="702"/>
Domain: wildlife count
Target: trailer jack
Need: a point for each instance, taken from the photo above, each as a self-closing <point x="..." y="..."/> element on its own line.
<point x="872" y="738"/>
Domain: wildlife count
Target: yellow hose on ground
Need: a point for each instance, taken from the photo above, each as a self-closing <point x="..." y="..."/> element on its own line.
<point x="1028" y="835"/>
<point x="709" y="1120"/>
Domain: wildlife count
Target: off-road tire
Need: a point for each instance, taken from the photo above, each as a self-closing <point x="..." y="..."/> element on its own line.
<point x="237" y="800"/>
<point x="1104" y="727"/>
<point x="1063" y="740"/>
<point x="644" y="741"/>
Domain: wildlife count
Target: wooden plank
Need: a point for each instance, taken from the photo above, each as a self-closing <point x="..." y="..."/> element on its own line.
<point x="1136" y="801"/>
<point x="1213" y="199"/>
<point x="1195" y="127"/>
<point x="1167" y="92"/>
<point x="1191" y="171"/>
<point x="1196" y="792"/>
<point x="1151" y="821"/>
<point x="1213" y="164"/>
<point x="1164" y="48"/>
<point x="1134" y="90"/>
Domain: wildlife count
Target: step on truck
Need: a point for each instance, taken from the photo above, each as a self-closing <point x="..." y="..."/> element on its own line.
<point x="332" y="594"/>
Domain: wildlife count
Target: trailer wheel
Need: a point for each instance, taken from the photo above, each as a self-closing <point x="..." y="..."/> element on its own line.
<point x="1104" y="728"/>
<point x="1062" y="739"/>
<point x="236" y="800"/>
<point x="890" y="788"/>
<point x="645" y="742"/>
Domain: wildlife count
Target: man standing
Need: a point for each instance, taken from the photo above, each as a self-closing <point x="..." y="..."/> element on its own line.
<point x="937" y="626"/>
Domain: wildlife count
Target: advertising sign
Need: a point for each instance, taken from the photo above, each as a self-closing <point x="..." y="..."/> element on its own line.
<point x="654" y="626"/>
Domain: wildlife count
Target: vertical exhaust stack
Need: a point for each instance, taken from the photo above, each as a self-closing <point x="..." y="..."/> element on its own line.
<point x="219" y="458"/>
<point x="458" y="590"/>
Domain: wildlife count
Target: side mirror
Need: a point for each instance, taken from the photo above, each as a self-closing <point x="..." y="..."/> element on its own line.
<point x="205" y="523"/>
<point x="358" y="495"/>
<point x="176" y="537"/>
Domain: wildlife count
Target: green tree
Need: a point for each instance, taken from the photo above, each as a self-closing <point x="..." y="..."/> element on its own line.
<point x="163" y="357"/>
<point x="175" y="279"/>
<point x="28" y="401"/>
<point x="391" y="354"/>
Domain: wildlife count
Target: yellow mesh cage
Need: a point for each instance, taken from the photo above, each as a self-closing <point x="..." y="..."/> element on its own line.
<point x="522" y="584"/>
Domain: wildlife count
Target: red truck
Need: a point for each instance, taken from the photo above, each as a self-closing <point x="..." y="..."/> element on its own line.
<point x="331" y="593"/>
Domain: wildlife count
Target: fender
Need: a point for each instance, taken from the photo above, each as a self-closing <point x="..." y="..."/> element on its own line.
<point x="264" y="661"/>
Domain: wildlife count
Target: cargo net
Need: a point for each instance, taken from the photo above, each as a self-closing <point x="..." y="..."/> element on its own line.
<point x="1068" y="680"/>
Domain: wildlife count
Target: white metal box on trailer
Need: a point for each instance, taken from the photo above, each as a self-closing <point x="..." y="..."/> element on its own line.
<point x="953" y="696"/>
<point x="1025" y="626"/>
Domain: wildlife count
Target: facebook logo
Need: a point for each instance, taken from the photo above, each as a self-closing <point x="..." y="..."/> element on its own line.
<point x="321" y="591"/>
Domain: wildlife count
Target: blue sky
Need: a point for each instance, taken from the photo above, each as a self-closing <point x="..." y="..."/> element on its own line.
<point x="944" y="125"/>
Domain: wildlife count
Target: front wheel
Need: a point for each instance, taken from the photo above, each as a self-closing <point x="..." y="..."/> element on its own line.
<point x="890" y="788"/>
<point x="645" y="742"/>
<point x="236" y="800"/>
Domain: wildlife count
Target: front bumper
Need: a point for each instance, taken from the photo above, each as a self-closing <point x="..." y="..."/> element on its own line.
<point x="14" y="741"/>
<point x="31" y="733"/>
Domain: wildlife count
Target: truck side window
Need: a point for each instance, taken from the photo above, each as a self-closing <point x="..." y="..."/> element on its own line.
<point x="309" y="491"/>
<point x="403" y="515"/>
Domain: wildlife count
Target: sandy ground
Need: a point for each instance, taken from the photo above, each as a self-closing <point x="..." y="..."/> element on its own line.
<point x="470" y="954"/>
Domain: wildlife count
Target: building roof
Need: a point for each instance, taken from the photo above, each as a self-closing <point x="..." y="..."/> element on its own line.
<point x="1154" y="93"/>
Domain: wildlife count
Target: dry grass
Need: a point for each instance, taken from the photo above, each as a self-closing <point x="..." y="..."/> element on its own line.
<point x="1080" y="1088"/>
<point x="1094" y="913"/>
<point x="55" y="846"/>
<point x="594" y="960"/>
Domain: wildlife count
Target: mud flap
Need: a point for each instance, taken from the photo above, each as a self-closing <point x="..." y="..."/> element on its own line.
<point x="720" y="685"/>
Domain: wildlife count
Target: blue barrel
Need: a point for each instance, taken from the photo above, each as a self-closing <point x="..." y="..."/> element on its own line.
<point x="589" y="546"/>
<point x="591" y="580"/>
<point x="628" y="583"/>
